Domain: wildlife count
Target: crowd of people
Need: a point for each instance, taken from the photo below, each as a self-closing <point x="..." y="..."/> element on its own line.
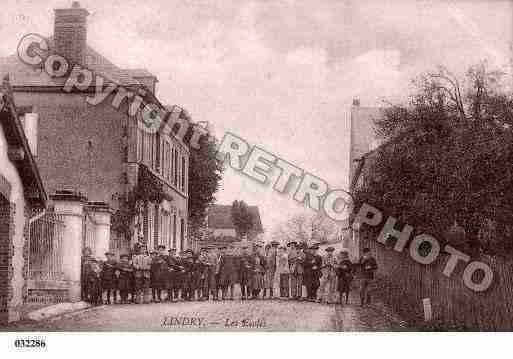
<point x="211" y="274"/>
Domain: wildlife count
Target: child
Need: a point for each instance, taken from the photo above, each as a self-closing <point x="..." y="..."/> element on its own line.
<point x="344" y="271"/>
<point x="93" y="280"/>
<point x="125" y="278"/>
<point x="282" y="267"/>
<point x="258" y="265"/>
<point x="108" y="277"/>
<point x="368" y="266"/>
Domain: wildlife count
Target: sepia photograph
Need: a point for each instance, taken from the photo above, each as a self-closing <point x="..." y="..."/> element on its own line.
<point x="255" y="166"/>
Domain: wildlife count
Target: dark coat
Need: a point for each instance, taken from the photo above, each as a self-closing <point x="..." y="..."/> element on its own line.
<point x="312" y="266"/>
<point x="108" y="274"/>
<point x="125" y="279"/>
<point x="229" y="270"/>
<point x="159" y="272"/>
<point x="173" y="267"/>
<point x="246" y="267"/>
<point x="368" y="267"/>
<point x="344" y="270"/>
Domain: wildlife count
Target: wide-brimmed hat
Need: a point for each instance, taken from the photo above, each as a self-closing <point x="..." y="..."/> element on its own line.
<point x="329" y="249"/>
<point x="161" y="246"/>
<point x="109" y="253"/>
<point x="171" y="250"/>
<point x="292" y="243"/>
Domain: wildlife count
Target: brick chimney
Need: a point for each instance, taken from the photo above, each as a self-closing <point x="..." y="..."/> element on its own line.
<point x="70" y="33"/>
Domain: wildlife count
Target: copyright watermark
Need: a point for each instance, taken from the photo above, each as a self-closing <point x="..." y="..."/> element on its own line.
<point x="34" y="50"/>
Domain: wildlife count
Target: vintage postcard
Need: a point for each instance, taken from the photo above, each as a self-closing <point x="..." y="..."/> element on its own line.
<point x="255" y="166"/>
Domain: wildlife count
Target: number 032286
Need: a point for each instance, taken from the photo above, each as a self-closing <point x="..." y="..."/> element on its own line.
<point x="30" y="343"/>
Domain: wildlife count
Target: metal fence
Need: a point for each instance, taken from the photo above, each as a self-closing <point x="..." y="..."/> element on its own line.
<point x="46" y="236"/>
<point x="404" y="283"/>
<point x="89" y="234"/>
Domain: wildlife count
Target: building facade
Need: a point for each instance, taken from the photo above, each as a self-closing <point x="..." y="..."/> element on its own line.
<point x="101" y="151"/>
<point x="21" y="196"/>
<point x="363" y="140"/>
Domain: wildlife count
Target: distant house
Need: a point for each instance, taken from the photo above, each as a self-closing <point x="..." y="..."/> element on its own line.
<point x="220" y="227"/>
<point x="21" y="196"/>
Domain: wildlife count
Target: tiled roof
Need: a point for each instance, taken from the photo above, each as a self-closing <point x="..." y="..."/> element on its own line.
<point x="139" y="73"/>
<point x="220" y="216"/>
<point x="15" y="137"/>
<point x="21" y="74"/>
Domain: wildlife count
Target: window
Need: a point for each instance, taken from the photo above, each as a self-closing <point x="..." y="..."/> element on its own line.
<point x="147" y="149"/>
<point x="182" y="234"/>
<point x="174" y="230"/>
<point x="176" y="167"/>
<point x="182" y="181"/>
<point x="140" y="145"/>
<point x="150" y="227"/>
<point x="164" y="228"/>
<point x="167" y="161"/>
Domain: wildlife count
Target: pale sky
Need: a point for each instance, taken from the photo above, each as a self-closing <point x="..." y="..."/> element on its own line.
<point x="281" y="74"/>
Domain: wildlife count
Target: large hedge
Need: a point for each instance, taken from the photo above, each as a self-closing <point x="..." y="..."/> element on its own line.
<point x="447" y="158"/>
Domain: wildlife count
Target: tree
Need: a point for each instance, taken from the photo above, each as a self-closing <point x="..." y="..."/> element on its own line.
<point x="242" y="218"/>
<point x="205" y="173"/>
<point x="305" y="228"/>
<point x="447" y="157"/>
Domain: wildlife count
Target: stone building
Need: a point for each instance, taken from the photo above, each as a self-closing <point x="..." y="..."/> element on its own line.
<point x="363" y="140"/>
<point x="221" y="230"/>
<point x="100" y="151"/>
<point x="22" y="195"/>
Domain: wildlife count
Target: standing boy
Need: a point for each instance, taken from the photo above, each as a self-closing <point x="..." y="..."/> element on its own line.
<point x="270" y="268"/>
<point x="368" y="266"/>
<point x="125" y="277"/>
<point x="245" y="273"/>
<point x="258" y="265"/>
<point x="344" y="271"/>
<point x="108" y="277"/>
<point x="328" y="287"/>
<point x="282" y="268"/>
<point x="296" y="270"/>
<point x="142" y="267"/>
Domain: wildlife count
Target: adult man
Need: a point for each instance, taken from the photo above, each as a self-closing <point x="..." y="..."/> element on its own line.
<point x="142" y="265"/>
<point x="368" y="266"/>
<point x="282" y="269"/>
<point x="328" y="285"/>
<point x="313" y="263"/>
<point x="296" y="270"/>
<point x="245" y="273"/>
<point x="270" y="268"/>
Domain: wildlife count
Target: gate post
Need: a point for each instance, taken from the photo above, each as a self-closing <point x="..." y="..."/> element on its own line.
<point x="101" y="215"/>
<point x="71" y="207"/>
